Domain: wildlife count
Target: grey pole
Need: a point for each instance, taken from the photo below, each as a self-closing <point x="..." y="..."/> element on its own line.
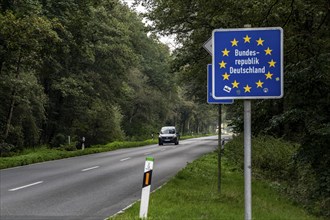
<point x="247" y="156"/>
<point x="247" y="160"/>
<point x="219" y="149"/>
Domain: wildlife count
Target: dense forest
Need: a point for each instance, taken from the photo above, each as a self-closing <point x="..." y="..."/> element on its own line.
<point x="303" y="115"/>
<point x="86" y="69"/>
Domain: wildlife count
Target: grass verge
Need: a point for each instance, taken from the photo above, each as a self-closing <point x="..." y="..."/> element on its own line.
<point x="42" y="154"/>
<point x="192" y="194"/>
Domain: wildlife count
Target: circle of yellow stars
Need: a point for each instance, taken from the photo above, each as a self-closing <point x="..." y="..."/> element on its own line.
<point x="268" y="51"/>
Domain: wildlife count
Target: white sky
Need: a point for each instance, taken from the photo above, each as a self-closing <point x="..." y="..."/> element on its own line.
<point x="168" y="40"/>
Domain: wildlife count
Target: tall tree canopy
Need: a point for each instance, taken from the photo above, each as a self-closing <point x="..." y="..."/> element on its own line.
<point x="81" y="68"/>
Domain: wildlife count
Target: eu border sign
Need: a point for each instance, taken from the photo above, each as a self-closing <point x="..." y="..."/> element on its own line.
<point x="247" y="63"/>
<point x="210" y="98"/>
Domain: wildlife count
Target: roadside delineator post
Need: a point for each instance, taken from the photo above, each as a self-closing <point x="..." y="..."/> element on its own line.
<point x="83" y="143"/>
<point x="146" y="185"/>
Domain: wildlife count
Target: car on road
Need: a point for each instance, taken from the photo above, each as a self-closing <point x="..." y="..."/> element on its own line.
<point x="168" y="134"/>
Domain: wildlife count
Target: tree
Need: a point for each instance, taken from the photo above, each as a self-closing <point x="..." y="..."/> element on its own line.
<point x="22" y="98"/>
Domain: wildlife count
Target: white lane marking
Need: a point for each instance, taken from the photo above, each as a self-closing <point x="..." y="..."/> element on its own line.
<point x="90" y="168"/>
<point x="127" y="158"/>
<point x="163" y="150"/>
<point x="22" y="187"/>
<point x="148" y="153"/>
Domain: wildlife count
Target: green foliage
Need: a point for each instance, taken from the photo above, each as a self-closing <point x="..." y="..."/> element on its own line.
<point x="271" y="158"/>
<point x="58" y="141"/>
<point x="64" y="67"/>
<point x="83" y="69"/>
<point x="282" y="163"/>
<point x="41" y="154"/>
<point x="10" y="157"/>
<point x="6" y="150"/>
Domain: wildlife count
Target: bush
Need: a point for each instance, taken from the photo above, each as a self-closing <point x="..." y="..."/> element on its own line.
<point x="294" y="174"/>
<point x="6" y="150"/>
<point x="67" y="147"/>
<point x="58" y="141"/>
<point x="271" y="158"/>
<point x="310" y="183"/>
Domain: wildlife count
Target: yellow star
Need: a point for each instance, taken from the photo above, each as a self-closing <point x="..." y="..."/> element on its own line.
<point x="272" y="63"/>
<point x="247" y="88"/>
<point x="225" y="76"/>
<point x="235" y="84"/>
<point x="260" y="41"/>
<point x="234" y="42"/>
<point x="247" y="39"/>
<point x="222" y="64"/>
<point x="268" y="51"/>
<point x="268" y="75"/>
<point x="225" y="52"/>
<point x="259" y="84"/>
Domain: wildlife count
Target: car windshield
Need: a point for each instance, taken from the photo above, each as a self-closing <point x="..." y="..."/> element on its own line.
<point x="167" y="131"/>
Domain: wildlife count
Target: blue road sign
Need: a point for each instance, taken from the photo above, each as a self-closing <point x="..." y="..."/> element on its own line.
<point x="247" y="63"/>
<point x="210" y="99"/>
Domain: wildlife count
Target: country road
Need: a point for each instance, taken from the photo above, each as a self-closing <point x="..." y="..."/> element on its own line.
<point x="94" y="186"/>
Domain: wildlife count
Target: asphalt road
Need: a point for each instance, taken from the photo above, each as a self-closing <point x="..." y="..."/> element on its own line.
<point x="94" y="186"/>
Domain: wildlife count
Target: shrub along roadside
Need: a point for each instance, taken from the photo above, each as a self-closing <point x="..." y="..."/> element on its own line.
<point x="43" y="153"/>
<point x="271" y="157"/>
<point x="276" y="160"/>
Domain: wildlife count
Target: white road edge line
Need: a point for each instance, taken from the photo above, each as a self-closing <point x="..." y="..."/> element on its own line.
<point x="129" y="206"/>
<point x="163" y="150"/>
<point x="127" y="158"/>
<point x="90" y="168"/>
<point x="22" y="187"/>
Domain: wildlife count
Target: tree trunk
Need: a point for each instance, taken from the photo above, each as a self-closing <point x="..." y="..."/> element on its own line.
<point x="10" y="115"/>
<point x="12" y="102"/>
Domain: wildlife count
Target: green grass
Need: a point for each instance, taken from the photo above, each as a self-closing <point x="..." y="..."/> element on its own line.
<point x="192" y="194"/>
<point x="42" y="154"/>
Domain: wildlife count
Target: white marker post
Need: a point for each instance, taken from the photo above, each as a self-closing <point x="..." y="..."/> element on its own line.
<point x="146" y="185"/>
<point x="83" y="143"/>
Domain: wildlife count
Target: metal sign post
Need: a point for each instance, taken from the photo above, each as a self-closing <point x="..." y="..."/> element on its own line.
<point x="211" y="100"/>
<point x="247" y="64"/>
<point x="247" y="160"/>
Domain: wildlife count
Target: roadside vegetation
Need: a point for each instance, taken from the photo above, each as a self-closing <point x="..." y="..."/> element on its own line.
<point x="44" y="153"/>
<point x="192" y="193"/>
<point x="278" y="161"/>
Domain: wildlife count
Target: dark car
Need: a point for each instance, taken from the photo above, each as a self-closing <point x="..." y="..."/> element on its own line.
<point x="168" y="134"/>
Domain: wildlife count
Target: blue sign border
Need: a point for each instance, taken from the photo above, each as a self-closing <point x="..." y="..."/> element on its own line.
<point x="255" y="60"/>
